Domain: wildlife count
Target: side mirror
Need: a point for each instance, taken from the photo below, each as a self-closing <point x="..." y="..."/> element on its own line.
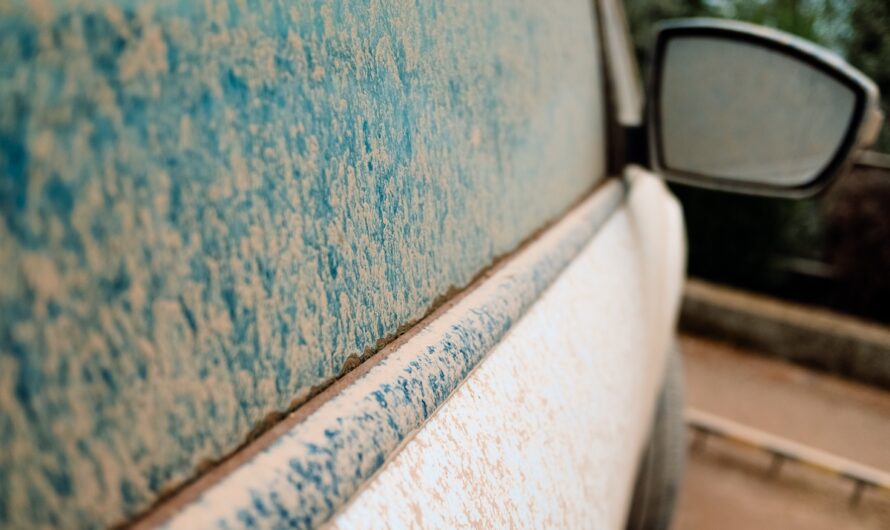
<point x="744" y="108"/>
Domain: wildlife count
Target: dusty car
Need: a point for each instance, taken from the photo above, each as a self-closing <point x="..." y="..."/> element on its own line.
<point x="369" y="264"/>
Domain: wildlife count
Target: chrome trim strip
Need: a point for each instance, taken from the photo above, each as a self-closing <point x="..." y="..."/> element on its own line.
<point x="624" y="72"/>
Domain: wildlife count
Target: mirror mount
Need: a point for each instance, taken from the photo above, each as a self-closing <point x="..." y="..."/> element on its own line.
<point x="722" y="112"/>
<point x="636" y="138"/>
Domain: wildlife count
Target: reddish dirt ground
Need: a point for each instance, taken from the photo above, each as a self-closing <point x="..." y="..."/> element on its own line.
<point x="727" y="486"/>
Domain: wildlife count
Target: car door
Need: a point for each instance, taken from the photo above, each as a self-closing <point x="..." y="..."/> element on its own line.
<point x="264" y="264"/>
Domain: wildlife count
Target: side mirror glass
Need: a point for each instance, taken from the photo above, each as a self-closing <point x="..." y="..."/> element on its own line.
<point x="745" y="108"/>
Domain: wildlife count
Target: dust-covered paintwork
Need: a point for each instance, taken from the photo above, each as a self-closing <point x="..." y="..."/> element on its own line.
<point x="311" y="470"/>
<point x="209" y="208"/>
<point x="547" y="431"/>
<point x="524" y="404"/>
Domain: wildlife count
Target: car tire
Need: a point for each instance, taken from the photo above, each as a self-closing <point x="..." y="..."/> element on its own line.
<point x="660" y="473"/>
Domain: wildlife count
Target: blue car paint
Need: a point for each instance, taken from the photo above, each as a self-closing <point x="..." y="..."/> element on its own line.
<point x="208" y="208"/>
<point x="313" y="468"/>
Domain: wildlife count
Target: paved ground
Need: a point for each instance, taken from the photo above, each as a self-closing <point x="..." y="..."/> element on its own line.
<point x="727" y="486"/>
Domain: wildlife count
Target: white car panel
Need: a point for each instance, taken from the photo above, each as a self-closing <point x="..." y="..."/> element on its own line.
<point x="546" y="431"/>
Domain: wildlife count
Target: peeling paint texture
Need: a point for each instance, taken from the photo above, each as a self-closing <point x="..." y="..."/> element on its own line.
<point x="207" y="208"/>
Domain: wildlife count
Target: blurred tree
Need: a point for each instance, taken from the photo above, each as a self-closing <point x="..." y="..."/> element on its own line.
<point x="868" y="48"/>
<point x="643" y="15"/>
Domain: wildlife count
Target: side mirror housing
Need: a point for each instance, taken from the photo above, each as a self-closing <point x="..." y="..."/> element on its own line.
<point x="744" y="108"/>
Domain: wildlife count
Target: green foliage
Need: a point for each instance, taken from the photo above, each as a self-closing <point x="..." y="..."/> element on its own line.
<point x="642" y="15"/>
<point x="868" y="48"/>
<point x="814" y="20"/>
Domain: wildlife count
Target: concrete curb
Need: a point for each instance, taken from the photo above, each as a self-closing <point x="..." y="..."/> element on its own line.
<point x="814" y="337"/>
